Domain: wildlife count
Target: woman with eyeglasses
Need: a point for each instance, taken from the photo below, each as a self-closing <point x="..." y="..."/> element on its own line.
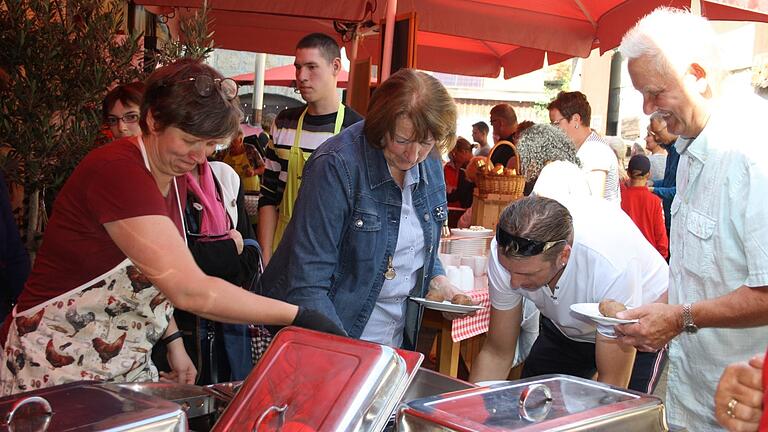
<point x="120" y="110"/>
<point x="366" y="228"/>
<point x="114" y="263"/>
<point x="557" y="255"/>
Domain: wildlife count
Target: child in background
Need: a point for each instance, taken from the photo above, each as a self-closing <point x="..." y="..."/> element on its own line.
<point x="643" y="206"/>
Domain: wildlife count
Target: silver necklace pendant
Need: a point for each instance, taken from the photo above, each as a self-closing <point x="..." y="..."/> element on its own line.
<point x="390" y="273"/>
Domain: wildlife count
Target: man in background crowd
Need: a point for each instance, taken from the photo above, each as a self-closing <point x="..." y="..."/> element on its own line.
<point x="504" y="123"/>
<point x="297" y="132"/>
<point x="480" y="136"/>
<point x="571" y="112"/>
<point x="666" y="187"/>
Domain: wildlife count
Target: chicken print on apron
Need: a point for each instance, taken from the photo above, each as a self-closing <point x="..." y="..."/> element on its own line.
<point x="102" y="330"/>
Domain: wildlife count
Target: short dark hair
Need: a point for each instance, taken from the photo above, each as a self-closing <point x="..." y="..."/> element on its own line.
<point x="127" y="94"/>
<point x="570" y="103"/>
<point x="421" y="98"/>
<point x="541" y="219"/>
<point x="171" y="98"/>
<point x="507" y="112"/>
<point x="482" y="127"/>
<point x="325" y="44"/>
<point x="463" y="144"/>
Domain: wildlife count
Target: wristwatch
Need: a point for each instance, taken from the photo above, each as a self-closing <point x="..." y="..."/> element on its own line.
<point x="688" y="325"/>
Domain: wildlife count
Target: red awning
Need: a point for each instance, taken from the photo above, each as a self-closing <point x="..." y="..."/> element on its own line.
<point x="467" y="37"/>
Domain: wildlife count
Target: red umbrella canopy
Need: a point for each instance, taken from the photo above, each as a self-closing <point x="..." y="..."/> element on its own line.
<point x="467" y="37"/>
<point x="284" y="76"/>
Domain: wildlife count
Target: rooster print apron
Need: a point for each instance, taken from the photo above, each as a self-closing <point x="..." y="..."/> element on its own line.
<point x="296" y="160"/>
<point x="102" y="330"/>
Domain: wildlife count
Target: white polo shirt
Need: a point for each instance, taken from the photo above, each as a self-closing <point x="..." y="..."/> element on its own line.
<point x="610" y="259"/>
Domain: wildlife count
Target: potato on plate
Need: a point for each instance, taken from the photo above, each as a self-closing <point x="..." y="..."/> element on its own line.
<point x="609" y="308"/>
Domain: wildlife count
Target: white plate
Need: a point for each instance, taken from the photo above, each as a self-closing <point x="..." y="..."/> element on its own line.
<point x="466" y="232"/>
<point x="446" y="306"/>
<point x="592" y="311"/>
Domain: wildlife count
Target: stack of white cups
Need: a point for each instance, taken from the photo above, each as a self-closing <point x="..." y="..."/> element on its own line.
<point x="461" y="277"/>
<point x="462" y="270"/>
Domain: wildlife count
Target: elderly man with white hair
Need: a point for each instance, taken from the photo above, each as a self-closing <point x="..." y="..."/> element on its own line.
<point x="718" y="291"/>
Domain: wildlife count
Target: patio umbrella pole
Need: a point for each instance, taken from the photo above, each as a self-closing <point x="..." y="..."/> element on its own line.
<point x="389" y="35"/>
<point x="352" y="57"/>
<point x="258" y="88"/>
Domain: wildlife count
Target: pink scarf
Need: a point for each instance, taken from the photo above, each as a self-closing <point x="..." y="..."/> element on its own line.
<point x="214" y="220"/>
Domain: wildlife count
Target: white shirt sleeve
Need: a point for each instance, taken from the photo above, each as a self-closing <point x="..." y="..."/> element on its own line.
<point x="596" y="156"/>
<point x="501" y="293"/>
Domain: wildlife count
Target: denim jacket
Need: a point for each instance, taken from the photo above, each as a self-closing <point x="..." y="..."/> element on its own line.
<point x="345" y="225"/>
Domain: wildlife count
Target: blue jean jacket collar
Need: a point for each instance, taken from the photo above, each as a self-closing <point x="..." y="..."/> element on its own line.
<point x="378" y="170"/>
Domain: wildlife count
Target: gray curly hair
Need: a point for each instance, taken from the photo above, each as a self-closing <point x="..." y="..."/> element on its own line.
<point x="541" y="144"/>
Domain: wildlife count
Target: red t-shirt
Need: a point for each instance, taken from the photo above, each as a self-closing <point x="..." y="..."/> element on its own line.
<point x="451" y="174"/>
<point x="645" y="210"/>
<point x="111" y="183"/>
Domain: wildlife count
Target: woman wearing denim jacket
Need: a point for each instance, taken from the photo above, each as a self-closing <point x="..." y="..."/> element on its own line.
<point x="366" y="227"/>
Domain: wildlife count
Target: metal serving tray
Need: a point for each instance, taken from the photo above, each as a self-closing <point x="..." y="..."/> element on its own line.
<point x="89" y="406"/>
<point x="193" y="399"/>
<point x="322" y="382"/>
<point x="545" y="403"/>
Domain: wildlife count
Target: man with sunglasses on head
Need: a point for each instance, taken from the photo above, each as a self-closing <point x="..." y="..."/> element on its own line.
<point x="297" y="132"/>
<point x="556" y="257"/>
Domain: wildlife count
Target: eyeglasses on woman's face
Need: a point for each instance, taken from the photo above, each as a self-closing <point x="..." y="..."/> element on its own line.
<point x="520" y="246"/>
<point x="126" y="118"/>
<point x="205" y="85"/>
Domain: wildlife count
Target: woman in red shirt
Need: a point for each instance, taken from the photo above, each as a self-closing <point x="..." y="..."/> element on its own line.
<point x="113" y="262"/>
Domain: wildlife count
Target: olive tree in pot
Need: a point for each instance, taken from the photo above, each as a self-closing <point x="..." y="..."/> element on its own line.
<point x="60" y="58"/>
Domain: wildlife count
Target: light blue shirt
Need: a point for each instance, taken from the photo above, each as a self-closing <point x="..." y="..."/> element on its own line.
<point x="718" y="243"/>
<point x="385" y="326"/>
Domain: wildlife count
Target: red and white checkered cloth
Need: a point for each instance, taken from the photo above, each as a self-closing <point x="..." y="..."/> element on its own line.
<point x="465" y="328"/>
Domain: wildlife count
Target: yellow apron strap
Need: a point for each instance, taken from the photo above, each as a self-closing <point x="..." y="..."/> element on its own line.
<point x="296" y="160"/>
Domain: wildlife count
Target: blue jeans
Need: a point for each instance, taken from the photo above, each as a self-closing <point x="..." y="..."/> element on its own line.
<point x="236" y="340"/>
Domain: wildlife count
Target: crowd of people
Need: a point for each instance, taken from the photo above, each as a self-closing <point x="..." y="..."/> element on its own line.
<point x="151" y="253"/>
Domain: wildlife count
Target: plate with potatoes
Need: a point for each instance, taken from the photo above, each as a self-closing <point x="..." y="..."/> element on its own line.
<point x="603" y="312"/>
<point x="460" y="303"/>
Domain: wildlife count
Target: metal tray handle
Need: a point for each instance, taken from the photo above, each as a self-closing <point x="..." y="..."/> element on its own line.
<point x="281" y="415"/>
<point x="537" y="412"/>
<point x="27" y="401"/>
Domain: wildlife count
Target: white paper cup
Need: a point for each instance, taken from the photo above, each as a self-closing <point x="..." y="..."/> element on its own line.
<point x="480" y="265"/>
<point x="450" y="259"/>
<point x="467" y="279"/>
<point x="453" y="275"/>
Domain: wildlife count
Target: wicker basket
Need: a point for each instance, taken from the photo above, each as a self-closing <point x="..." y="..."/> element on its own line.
<point x="492" y="183"/>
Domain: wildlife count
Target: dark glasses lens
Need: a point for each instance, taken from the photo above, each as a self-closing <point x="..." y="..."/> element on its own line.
<point x="127" y="118"/>
<point x="521" y="246"/>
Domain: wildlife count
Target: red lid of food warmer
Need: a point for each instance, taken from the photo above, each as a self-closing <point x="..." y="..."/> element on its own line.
<point x="311" y="381"/>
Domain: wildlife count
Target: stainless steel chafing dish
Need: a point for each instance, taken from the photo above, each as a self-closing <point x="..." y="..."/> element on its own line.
<point x="545" y="403"/>
<point x="89" y="406"/>
<point x="314" y="381"/>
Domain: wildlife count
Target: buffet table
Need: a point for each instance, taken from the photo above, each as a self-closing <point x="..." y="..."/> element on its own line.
<point x="463" y="336"/>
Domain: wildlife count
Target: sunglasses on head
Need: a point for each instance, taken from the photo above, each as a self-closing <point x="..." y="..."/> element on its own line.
<point x="520" y="246"/>
<point x="205" y="85"/>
